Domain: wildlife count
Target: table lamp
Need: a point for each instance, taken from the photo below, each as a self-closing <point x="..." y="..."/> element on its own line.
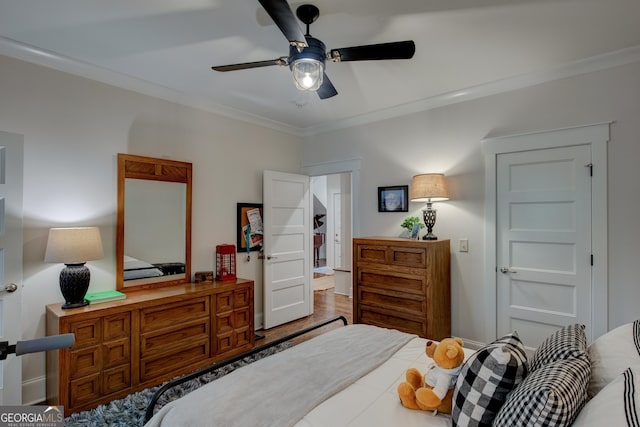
<point x="429" y="187"/>
<point x="73" y="247"/>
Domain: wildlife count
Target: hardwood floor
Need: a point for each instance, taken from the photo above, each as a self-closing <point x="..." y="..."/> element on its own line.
<point x="326" y="304"/>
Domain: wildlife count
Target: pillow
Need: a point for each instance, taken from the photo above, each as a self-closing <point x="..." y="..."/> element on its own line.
<point x="566" y="343"/>
<point x="552" y="395"/>
<point x="612" y="353"/>
<point x="615" y="405"/>
<point x="485" y="380"/>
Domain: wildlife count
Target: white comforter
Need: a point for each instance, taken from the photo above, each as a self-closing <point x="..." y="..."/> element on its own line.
<point x="372" y="401"/>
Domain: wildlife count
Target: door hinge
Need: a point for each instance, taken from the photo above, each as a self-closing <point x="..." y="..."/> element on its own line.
<point x="590" y="166"/>
<point x="591" y="259"/>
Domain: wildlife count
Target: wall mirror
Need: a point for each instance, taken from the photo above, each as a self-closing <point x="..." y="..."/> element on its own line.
<point x="153" y="236"/>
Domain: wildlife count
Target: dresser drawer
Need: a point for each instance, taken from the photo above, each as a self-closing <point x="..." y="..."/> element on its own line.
<point x="394" y="280"/>
<point x="414" y="257"/>
<point x="116" y="379"/>
<point x="171" y="314"/>
<point x="392" y="319"/>
<point x="84" y="390"/>
<point x="402" y="302"/>
<point x="178" y="357"/>
<point x="116" y="326"/>
<point x="410" y="257"/>
<point x="116" y="352"/>
<point x="371" y="253"/>
<point x="174" y="337"/>
<point x="85" y="361"/>
<point x="87" y="332"/>
<point x="241" y="298"/>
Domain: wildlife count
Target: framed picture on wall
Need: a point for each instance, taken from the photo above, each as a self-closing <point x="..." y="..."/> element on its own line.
<point x="393" y="199"/>
<point x="249" y="227"/>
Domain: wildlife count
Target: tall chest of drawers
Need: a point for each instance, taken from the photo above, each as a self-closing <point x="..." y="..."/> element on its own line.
<point x="403" y="284"/>
<point x="151" y="336"/>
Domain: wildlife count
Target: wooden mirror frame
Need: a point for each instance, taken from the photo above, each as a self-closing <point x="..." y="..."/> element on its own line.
<point x="149" y="168"/>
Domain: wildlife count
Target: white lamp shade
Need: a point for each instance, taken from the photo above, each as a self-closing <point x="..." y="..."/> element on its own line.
<point x="73" y="245"/>
<point x="429" y="187"/>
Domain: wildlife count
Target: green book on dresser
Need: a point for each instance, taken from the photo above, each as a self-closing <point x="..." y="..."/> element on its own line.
<point x="104" y="296"/>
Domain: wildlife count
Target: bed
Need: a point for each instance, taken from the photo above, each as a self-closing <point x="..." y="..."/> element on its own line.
<point x="349" y="375"/>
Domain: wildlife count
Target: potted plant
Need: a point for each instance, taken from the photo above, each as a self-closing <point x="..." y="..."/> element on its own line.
<point x="413" y="225"/>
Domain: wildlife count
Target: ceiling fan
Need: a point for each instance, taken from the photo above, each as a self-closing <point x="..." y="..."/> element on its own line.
<point x="307" y="54"/>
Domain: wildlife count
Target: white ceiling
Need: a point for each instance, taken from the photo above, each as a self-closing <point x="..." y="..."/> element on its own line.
<point x="462" y="46"/>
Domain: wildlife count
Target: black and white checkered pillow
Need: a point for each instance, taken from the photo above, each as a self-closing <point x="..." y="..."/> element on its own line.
<point x="485" y="380"/>
<point x="566" y="343"/>
<point x="550" y="396"/>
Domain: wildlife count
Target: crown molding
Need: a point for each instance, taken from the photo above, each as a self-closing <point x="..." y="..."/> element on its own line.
<point x="583" y="66"/>
<point x="53" y="60"/>
<point x="25" y="52"/>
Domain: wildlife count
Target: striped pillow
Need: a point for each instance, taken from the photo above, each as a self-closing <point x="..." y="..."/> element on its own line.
<point x="550" y="396"/>
<point x="485" y="380"/>
<point x="566" y="343"/>
<point x="612" y="353"/>
<point x="616" y="405"/>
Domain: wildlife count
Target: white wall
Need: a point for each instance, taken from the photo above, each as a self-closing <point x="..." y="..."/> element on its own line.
<point x="73" y="128"/>
<point x="448" y="140"/>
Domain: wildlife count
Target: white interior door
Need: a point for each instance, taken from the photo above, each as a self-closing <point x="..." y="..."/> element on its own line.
<point x="544" y="278"/>
<point x="287" y="248"/>
<point x="337" y="230"/>
<point x="11" y="159"/>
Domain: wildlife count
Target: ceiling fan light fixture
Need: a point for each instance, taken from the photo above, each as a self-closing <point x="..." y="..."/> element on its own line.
<point x="308" y="73"/>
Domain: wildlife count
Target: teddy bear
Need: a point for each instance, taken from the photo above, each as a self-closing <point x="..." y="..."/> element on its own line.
<point x="434" y="390"/>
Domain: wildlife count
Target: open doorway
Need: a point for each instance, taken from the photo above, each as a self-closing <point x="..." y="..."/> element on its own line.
<point x="332" y="232"/>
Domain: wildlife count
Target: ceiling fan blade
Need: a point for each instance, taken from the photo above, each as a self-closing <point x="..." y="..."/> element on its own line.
<point x="326" y="89"/>
<point x="373" y="52"/>
<point x="247" y="65"/>
<point x="282" y="15"/>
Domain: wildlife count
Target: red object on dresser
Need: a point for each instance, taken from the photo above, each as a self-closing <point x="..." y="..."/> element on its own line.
<point x="226" y="262"/>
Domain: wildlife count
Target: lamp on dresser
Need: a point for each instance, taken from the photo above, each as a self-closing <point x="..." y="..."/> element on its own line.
<point x="429" y="187"/>
<point x="74" y="247"/>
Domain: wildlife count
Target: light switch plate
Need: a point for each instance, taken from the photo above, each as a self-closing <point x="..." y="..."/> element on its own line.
<point x="463" y="245"/>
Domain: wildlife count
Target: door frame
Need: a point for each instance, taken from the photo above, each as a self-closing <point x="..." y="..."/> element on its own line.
<point x="12" y="379"/>
<point x="351" y="166"/>
<point x="597" y="136"/>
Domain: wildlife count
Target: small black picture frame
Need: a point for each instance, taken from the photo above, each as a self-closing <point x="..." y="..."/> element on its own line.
<point x="393" y="199"/>
<point x="249" y="215"/>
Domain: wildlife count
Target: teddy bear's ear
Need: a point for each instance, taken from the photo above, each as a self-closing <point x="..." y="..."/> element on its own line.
<point x="431" y="348"/>
<point x="459" y="341"/>
<point x="452" y="351"/>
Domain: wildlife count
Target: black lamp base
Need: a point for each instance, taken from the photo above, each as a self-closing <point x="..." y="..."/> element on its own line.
<point x="429" y="217"/>
<point x="74" y="304"/>
<point x="74" y="283"/>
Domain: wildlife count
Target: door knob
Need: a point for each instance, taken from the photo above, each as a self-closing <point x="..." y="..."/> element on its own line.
<point x="506" y="270"/>
<point x="10" y="287"/>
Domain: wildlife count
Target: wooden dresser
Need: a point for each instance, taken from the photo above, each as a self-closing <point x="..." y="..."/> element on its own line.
<point x="403" y="284"/>
<point x="151" y="336"/>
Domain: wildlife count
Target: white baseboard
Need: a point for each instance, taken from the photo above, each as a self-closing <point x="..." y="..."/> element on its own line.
<point x="34" y="391"/>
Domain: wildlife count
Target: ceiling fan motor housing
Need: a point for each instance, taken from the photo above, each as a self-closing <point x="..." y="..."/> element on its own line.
<point x="315" y="50"/>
